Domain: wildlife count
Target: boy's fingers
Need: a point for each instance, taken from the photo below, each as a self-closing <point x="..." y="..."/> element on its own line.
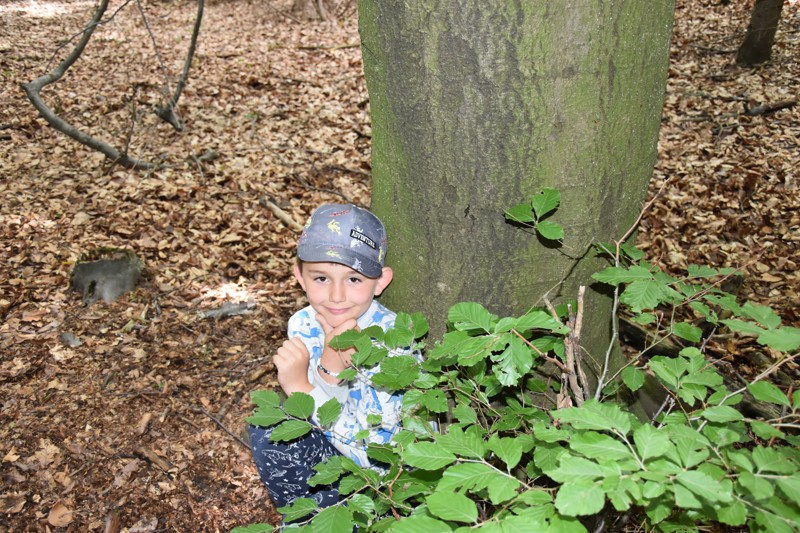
<point x="326" y="328"/>
<point x="347" y="325"/>
<point x="299" y="345"/>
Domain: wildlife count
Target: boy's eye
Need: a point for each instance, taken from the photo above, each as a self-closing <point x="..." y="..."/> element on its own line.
<point x="355" y="280"/>
<point x="321" y="279"/>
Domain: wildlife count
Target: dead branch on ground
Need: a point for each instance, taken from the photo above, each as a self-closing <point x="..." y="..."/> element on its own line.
<point x="33" y="91"/>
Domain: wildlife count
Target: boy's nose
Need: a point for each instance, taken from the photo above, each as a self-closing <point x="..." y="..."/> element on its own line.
<point x="337" y="292"/>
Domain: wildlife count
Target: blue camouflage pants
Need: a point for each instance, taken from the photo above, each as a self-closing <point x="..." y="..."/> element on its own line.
<point x="286" y="467"/>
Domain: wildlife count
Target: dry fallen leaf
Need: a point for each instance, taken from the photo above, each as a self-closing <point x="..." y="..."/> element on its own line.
<point x="12" y="503"/>
<point x="59" y="515"/>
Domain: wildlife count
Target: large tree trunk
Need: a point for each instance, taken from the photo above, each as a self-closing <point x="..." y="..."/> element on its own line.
<point x="757" y="45"/>
<point x="476" y="106"/>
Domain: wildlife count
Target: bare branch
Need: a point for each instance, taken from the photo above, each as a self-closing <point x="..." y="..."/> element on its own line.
<point x="33" y="91"/>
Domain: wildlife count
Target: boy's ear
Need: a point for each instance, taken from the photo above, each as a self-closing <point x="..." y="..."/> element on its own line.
<point x="298" y="275"/>
<point x="386" y="278"/>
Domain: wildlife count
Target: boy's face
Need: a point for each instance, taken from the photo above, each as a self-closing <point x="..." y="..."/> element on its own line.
<point x="338" y="292"/>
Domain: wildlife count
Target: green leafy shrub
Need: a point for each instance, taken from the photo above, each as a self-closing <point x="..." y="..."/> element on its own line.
<point x="519" y="447"/>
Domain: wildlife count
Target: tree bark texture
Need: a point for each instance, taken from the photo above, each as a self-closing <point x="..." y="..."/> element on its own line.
<point x="476" y="106"/>
<point x="757" y="45"/>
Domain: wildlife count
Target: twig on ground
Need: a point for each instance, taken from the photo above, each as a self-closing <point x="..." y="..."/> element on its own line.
<point x="282" y="215"/>
<point x="765" y="109"/>
<point x="230" y="309"/>
<point x="222" y="427"/>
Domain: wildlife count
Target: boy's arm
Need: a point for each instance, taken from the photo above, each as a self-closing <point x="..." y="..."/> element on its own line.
<point x="306" y="330"/>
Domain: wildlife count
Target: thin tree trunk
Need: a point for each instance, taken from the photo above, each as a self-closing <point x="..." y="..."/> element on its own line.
<point x="757" y="45"/>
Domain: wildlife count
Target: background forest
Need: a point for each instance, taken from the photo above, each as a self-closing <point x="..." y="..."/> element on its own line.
<point x="128" y="416"/>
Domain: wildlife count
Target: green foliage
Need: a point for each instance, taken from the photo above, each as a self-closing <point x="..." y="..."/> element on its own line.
<point x="533" y="214"/>
<point x="513" y="450"/>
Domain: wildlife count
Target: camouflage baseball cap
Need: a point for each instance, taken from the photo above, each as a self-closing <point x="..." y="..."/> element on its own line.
<point x="344" y="234"/>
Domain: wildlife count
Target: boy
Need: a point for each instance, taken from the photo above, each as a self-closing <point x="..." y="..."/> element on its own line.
<point x="340" y="267"/>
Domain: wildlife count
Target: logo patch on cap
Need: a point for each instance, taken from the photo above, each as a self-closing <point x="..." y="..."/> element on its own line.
<point x="363" y="238"/>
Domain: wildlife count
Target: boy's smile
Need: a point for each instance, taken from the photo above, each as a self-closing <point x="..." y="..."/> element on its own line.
<point x="338" y="292"/>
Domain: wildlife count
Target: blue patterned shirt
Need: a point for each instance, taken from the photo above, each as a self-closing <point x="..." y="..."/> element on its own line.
<point x="358" y="397"/>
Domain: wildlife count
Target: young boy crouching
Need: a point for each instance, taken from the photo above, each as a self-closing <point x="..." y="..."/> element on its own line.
<point x="341" y="268"/>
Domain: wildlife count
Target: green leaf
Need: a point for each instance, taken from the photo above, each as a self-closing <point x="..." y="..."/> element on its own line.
<point x="397" y="372"/>
<point x="427" y="456"/>
<point x="775" y="523"/>
<point x="783" y="339"/>
<point x="617" y="275"/>
<point x="465" y="414"/>
<point x="420" y="523"/>
<point x="361" y="503"/>
<point x="299" y="405"/>
<point x="651" y="442"/>
<point x="599" y="446"/>
<point x="759" y="488"/>
<point x="382" y="453"/>
<point x="545" y="202"/>
<point x="347" y="374"/>
<point x="643" y="294"/>
<point x="768" y="392"/>
<point x="398" y="338"/>
<point x="265" y="398"/>
<point x="791" y="487"/>
<point x="327" y="472"/>
<point x="291" y="429"/>
<point x="550" y="230"/>
<point x="538" y="319"/>
<point x="668" y="369"/>
<point x="687" y="331"/>
<point x="345" y="340"/>
<point x="580" y="498"/>
<point x="502" y="489"/>
<point x="520" y="213"/>
<point x="452" y="506"/>
<point x="466" y="477"/>
<point x="514" y="362"/>
<point x="298" y="509"/>
<point x="508" y="449"/>
<point x="734" y="514"/>
<point x="267" y="416"/>
<point x="571" y="468"/>
<point x="329" y="412"/>
<point x="435" y="400"/>
<point x="633" y="378"/>
<point x="595" y="415"/>
<point x="254" y="528"/>
<point x="773" y="460"/>
<point x="467" y="316"/>
<point x="704" y="486"/>
<point x="740" y="326"/>
<point x="426" y="381"/>
<point x="333" y="519"/>
<point x="721" y="414"/>
<point x="762" y="314"/>
<point x="465" y="444"/>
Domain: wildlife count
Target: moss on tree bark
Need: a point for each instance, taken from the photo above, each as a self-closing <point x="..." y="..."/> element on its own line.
<point x="477" y="106"/>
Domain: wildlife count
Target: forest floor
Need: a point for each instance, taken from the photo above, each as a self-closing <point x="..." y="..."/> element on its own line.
<point x="128" y="416"/>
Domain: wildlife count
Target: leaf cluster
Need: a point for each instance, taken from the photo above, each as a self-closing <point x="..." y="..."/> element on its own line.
<point x="487" y="446"/>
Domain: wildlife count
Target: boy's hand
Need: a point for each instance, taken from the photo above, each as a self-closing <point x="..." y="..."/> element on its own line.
<point x="291" y="361"/>
<point x="335" y="360"/>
